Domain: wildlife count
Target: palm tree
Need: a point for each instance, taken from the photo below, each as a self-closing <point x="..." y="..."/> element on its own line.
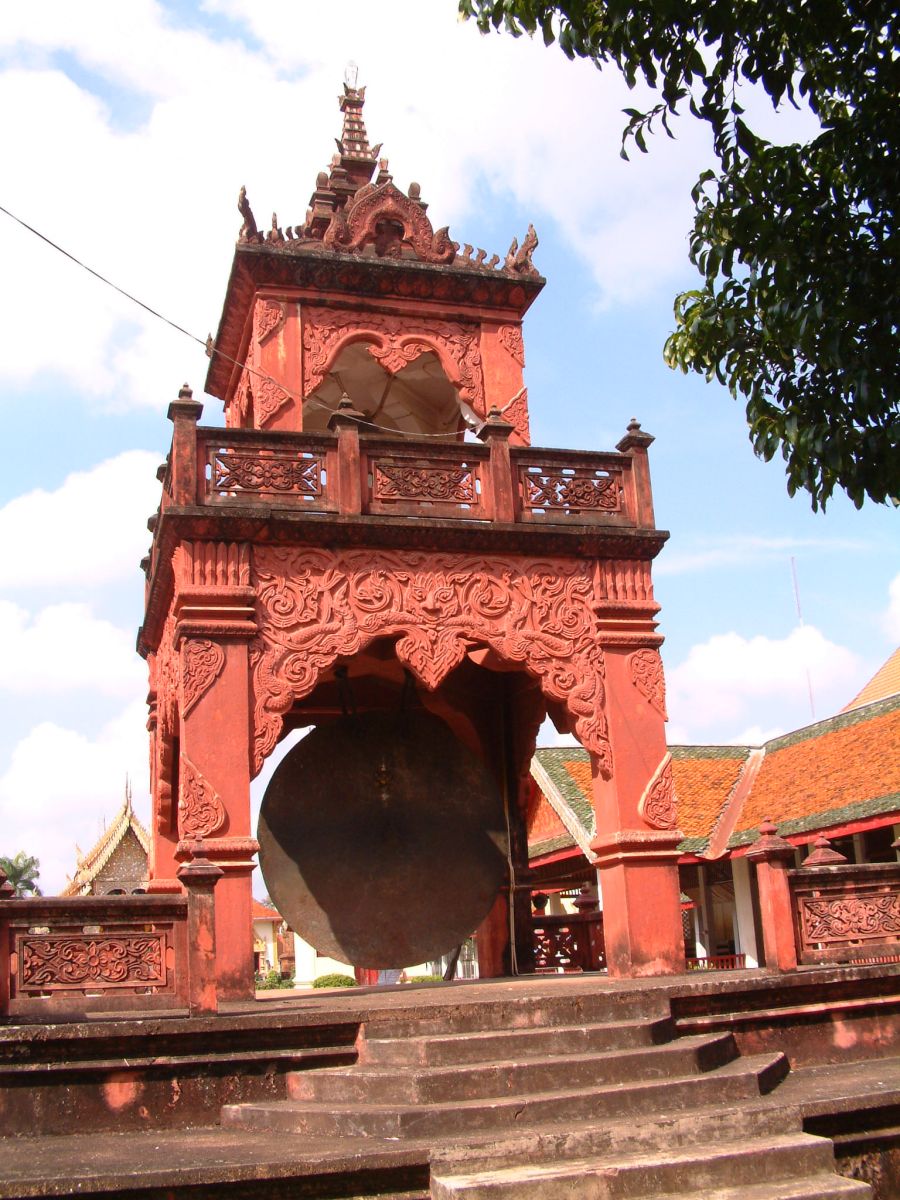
<point x="22" y="871"/>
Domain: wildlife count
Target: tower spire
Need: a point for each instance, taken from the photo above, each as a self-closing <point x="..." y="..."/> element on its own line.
<point x="356" y="156"/>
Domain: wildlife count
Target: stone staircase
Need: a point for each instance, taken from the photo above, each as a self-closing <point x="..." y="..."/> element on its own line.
<point x="587" y="1097"/>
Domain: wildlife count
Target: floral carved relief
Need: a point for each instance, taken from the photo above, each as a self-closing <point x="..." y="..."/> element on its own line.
<point x="510" y="338"/>
<point x="115" y="960"/>
<point x="376" y="216"/>
<point x="516" y="413"/>
<point x="267" y="317"/>
<point x="268" y="399"/>
<point x="315" y="606"/>
<point x="454" y="485"/>
<point x="200" y="811"/>
<point x="647" y="676"/>
<point x="657" y="804"/>
<point x="393" y="342"/>
<point x="850" y="917"/>
<point x="201" y="664"/>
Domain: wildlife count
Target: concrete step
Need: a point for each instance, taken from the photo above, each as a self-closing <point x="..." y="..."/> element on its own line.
<point x="815" y="1187"/>
<point x="665" y="1172"/>
<point x="383" y="1085"/>
<point x="524" y="1012"/>
<point x="740" y="1080"/>
<point x="502" y="1045"/>
<point x="554" y="1143"/>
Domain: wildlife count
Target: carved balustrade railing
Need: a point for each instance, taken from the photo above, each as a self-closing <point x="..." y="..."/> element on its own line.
<point x="436" y="480"/>
<point x="375" y="475"/>
<point x="569" y="943"/>
<point x="93" y="952"/>
<point x="295" y="470"/>
<point x="567" y="485"/>
<point x="846" y="913"/>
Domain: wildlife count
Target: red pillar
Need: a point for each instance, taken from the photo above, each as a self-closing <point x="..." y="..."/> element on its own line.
<point x="637" y="832"/>
<point x="773" y="857"/>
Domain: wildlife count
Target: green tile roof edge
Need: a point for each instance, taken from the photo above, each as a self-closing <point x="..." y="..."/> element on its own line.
<point x="579" y="803"/>
<point x="824" y="819"/>
<point x="562" y="841"/>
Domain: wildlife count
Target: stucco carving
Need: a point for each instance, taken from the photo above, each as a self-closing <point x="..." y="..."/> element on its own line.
<point x="200" y="811"/>
<point x="657" y="804"/>
<point x="386" y="218"/>
<point x="393" y="342"/>
<point x="316" y="606"/>
<point x="201" y="664"/>
<point x="516" y="413"/>
<point x="267" y="317"/>
<point x="647" y="676"/>
<point x="510" y="337"/>
<point x="268" y="399"/>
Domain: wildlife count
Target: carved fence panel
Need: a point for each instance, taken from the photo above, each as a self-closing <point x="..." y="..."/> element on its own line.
<point x="846" y="913"/>
<point x="570" y="486"/>
<point x="293" y="470"/>
<point x="445" y="481"/>
<point x="569" y="943"/>
<point x="89" y="952"/>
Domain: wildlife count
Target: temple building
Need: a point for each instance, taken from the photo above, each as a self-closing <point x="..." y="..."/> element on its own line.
<point x="839" y="777"/>
<point x="117" y="864"/>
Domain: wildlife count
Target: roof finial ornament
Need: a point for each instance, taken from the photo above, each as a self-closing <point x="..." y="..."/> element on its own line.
<point x="351" y="74"/>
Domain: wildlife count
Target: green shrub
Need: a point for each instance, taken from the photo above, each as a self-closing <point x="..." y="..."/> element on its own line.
<point x="425" y="979"/>
<point x="273" y="979"/>
<point x="334" y="980"/>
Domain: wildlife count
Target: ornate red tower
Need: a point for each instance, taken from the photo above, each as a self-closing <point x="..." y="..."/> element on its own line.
<point x="346" y="522"/>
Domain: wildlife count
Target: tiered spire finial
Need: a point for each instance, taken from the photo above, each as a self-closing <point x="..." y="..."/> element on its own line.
<point x="356" y="156"/>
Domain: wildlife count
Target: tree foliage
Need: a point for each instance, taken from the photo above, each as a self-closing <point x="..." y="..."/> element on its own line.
<point x="22" y="871"/>
<point x="797" y="245"/>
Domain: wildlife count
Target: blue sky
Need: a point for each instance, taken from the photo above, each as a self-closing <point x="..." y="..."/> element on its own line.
<point x="129" y="131"/>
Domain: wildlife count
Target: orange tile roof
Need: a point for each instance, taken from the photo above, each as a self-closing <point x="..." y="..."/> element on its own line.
<point x="835" y="772"/>
<point x="885" y="682"/>
<point x="262" y="912"/>
<point x="705" y="777"/>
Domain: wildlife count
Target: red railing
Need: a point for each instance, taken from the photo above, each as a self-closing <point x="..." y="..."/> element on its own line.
<point x="94" y="952"/>
<point x="65" y="955"/>
<point x="382" y="476"/>
<point x="569" y="943"/>
<point x="718" y="962"/>
<point x="846" y="913"/>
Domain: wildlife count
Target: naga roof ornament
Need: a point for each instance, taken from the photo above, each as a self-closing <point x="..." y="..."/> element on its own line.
<point x="352" y="213"/>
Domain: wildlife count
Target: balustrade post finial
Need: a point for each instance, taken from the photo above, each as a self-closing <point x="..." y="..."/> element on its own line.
<point x="824" y="854"/>
<point x="345" y="422"/>
<point x="635" y="443"/>
<point x="495" y="432"/>
<point x="184" y="413"/>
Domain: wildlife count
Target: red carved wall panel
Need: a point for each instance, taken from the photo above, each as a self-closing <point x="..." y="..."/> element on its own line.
<point x="315" y="606"/>
<point x="394" y="342"/>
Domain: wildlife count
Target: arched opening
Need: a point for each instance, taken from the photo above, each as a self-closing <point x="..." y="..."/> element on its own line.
<point x="418" y="399"/>
<point x="493" y="711"/>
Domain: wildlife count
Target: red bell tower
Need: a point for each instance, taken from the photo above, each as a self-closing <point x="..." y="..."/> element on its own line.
<point x="346" y="521"/>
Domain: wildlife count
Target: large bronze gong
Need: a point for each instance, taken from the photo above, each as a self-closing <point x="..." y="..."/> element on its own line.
<point x="383" y="839"/>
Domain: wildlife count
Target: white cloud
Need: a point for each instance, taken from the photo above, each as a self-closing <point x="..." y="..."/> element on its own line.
<point x="724" y="682"/>
<point x="153" y="206"/>
<point x="892" y="616"/>
<point x="60" y="786"/>
<point x="89" y="531"/>
<point x="65" y="648"/>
